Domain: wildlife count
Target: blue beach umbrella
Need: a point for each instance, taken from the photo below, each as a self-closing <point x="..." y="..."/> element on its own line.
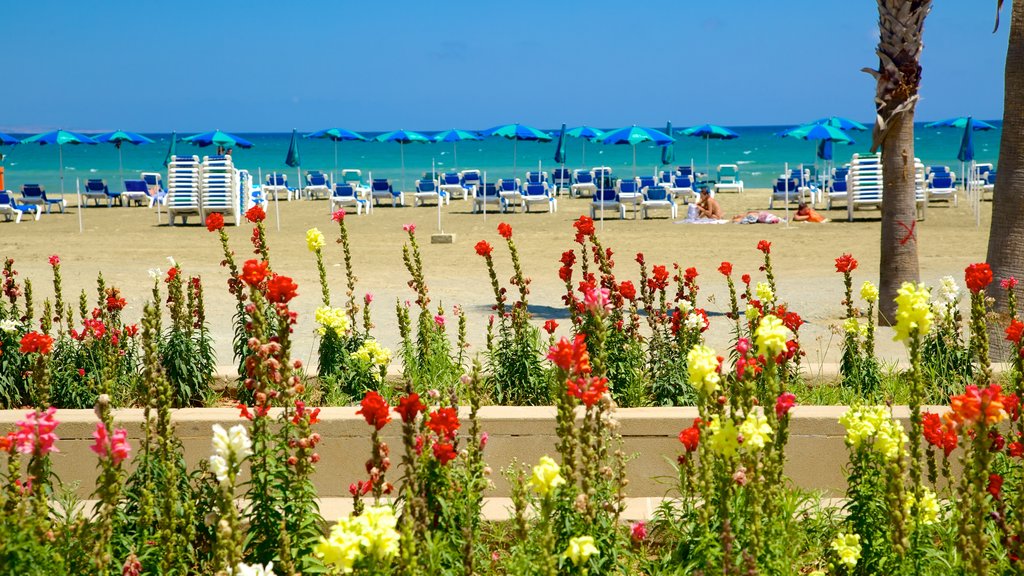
<point x="455" y="136"/>
<point x="817" y="132"/>
<point x="336" y="135"/>
<point x="969" y="125"/>
<point x="585" y="133"/>
<point x="634" y="135"/>
<point x="966" y="153"/>
<point x="825" y="149"/>
<point x="219" y="139"/>
<point x="7" y="140"/>
<point x="403" y="137"/>
<point x="60" y="138"/>
<point x="841" y="123"/>
<point x="292" y="158"/>
<point x="117" y="138"/>
<point x="668" y="151"/>
<point x="517" y="132"/>
<point x="560" y="148"/>
<point x="710" y="132"/>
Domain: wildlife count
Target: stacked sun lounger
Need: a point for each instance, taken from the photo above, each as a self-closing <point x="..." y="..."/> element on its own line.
<point x="183" y="184"/>
<point x="218" y="191"/>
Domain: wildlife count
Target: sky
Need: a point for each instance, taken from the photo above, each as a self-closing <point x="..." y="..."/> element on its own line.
<point x="252" y="66"/>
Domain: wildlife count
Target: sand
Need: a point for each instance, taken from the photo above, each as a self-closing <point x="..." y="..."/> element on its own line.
<point x="124" y="243"/>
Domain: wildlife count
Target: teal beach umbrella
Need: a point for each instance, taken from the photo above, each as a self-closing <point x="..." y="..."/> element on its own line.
<point x="219" y="139"/>
<point x="841" y="123"/>
<point x="119" y="137"/>
<point x="60" y="138"/>
<point x="560" y="148"/>
<point x="517" y="132"/>
<point x="585" y="133"/>
<point x="171" y="150"/>
<point x="292" y="158"/>
<point x="710" y="132"/>
<point x="969" y="125"/>
<point x="817" y="132"/>
<point x="668" y="151"/>
<point x="7" y="140"/>
<point x="455" y="136"/>
<point x="337" y="135"/>
<point x="634" y="135"/>
<point x="403" y="137"/>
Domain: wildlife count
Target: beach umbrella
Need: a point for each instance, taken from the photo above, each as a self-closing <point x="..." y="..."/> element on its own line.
<point x="961" y="122"/>
<point x="634" y="135"/>
<point x="172" y="149"/>
<point x="117" y="138"/>
<point x="60" y="138"/>
<point x="966" y="153"/>
<point x="6" y="140"/>
<point x="403" y="137"/>
<point x="825" y="149"/>
<point x="585" y="133"/>
<point x="219" y="139"/>
<point x="968" y="125"/>
<point x="337" y="135"/>
<point x="292" y="158"/>
<point x="668" y="151"/>
<point x="517" y="132"/>
<point x="710" y="132"/>
<point x="455" y="136"/>
<point x="825" y="134"/>
<point x="841" y="123"/>
<point x="560" y="148"/>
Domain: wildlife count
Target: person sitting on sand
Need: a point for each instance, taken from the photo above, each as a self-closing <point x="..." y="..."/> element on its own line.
<point x="708" y="207"/>
<point x="805" y="213"/>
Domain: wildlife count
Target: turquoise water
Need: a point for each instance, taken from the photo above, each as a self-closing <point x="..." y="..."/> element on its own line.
<point x="760" y="154"/>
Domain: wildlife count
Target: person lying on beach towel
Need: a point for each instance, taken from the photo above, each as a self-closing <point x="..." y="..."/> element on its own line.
<point x="757" y="217"/>
<point x="805" y="213"/>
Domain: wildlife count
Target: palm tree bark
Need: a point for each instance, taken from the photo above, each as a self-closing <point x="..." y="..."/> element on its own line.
<point x="900" y="28"/>
<point x="1006" y="235"/>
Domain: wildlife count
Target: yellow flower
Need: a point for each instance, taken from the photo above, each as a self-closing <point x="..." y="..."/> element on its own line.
<point x="546" y="476"/>
<point x="580" y="549"/>
<point x="927" y="510"/>
<point x="343" y="547"/>
<point x="913" y="311"/>
<point x="873" y="424"/>
<point x="314" y="239"/>
<point x="764" y="292"/>
<point x="755" y="431"/>
<point x="382" y="538"/>
<point x="854" y="327"/>
<point x="752" y="313"/>
<point x="724" y="438"/>
<point x="771" y="336"/>
<point x="372" y="355"/>
<point x="869" y="292"/>
<point x="847" y="546"/>
<point x="333" y="319"/>
<point x="370" y="534"/>
<point x="702" y="366"/>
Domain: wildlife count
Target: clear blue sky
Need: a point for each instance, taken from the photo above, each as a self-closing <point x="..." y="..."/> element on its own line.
<point x="270" y="66"/>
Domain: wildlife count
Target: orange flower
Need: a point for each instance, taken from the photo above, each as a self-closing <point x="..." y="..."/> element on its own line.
<point x="974" y="403"/>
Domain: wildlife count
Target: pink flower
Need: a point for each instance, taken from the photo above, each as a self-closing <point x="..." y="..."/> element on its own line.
<point x="35" y="433"/>
<point x="784" y="403"/>
<point x="596" y="300"/>
<point x="439" y="320"/>
<point x="483" y="440"/>
<point x="54" y="260"/>
<point x="638" y="531"/>
<point x="116" y="446"/>
<point x="368" y="298"/>
<point x="1007" y="283"/>
<point x="410" y="228"/>
<point x="338" y="215"/>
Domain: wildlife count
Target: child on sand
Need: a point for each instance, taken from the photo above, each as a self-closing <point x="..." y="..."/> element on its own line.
<point x="805" y="213"/>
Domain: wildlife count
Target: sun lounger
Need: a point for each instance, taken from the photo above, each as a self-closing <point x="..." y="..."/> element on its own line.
<point x="275" y="185"/>
<point x="607" y="199"/>
<point x="155" y="184"/>
<point x="535" y="177"/>
<point x="488" y="194"/>
<point x="989" y="186"/>
<point x="34" y="194"/>
<point x="318" y="185"/>
<point x="354" y="178"/>
<point x="381" y="189"/>
<point x="629" y="194"/>
<point x="583" y="183"/>
<point x="346" y="195"/>
<point x="11" y="209"/>
<point x="183" y="188"/>
<point x="219" y="188"/>
<point x="426" y="191"/>
<point x="471" y="179"/>
<point x="511" y="193"/>
<point x="942" y="186"/>
<point x="561" y="179"/>
<point x="866" y="184"/>
<point x="657" y="198"/>
<point x="98" y="191"/>
<point x="538" y="193"/>
<point x="788" y="189"/>
<point x="452" y="186"/>
<point x="682" y="187"/>
<point x="839" y="187"/>
<point x="136" y="191"/>
<point x="729" y="179"/>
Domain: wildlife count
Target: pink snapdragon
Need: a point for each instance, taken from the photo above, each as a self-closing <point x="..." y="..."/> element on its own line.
<point x="35" y="433"/>
<point x="115" y="445"/>
<point x="596" y="300"/>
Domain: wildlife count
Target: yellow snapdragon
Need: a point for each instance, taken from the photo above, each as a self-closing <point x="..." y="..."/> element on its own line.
<point x="755" y="431"/>
<point x="546" y="476"/>
<point x="314" y="239"/>
<point x="751" y="313"/>
<point x="869" y="292"/>
<point x="702" y="367"/>
<point x="847" y="546"/>
<point x="771" y="336"/>
<point x="371" y="534"/>
<point x="874" y="425"/>
<point x="723" y="436"/>
<point x="372" y="355"/>
<point x="333" y="319"/>
<point x="927" y="510"/>
<point x="913" y="311"/>
<point x="764" y="292"/>
<point x="580" y="549"/>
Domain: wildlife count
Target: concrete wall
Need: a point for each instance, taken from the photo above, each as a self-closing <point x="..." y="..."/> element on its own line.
<point x="815" y="457"/>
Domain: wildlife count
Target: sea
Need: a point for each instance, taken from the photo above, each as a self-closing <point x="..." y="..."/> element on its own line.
<point x="760" y="153"/>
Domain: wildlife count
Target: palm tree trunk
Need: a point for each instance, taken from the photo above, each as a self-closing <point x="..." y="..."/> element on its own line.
<point x="1006" y="235"/>
<point x="900" y="26"/>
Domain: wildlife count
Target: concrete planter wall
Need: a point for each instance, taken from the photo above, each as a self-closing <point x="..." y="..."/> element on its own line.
<point x="816" y="454"/>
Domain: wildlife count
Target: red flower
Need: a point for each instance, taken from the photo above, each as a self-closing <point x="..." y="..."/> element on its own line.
<point x="764" y="246"/>
<point x="792" y="321"/>
<point x="1014" y="331"/>
<point x="172" y="273"/>
<point x="374" y="409"/>
<point x="690" y="437"/>
<point x="1011" y="404"/>
<point x="975" y="403"/>
<point x="638" y="531"/>
<point x="995" y="485"/>
<point x="659" y="280"/>
<point x="215" y="221"/>
<point x="784" y="403"/>
<point x="483" y="248"/>
<point x="588" y="390"/>
<point x="281" y="289"/>
<point x="255" y="214"/>
<point x="444" y="452"/>
<point x="36" y="342"/>
<point x="254" y="272"/>
<point x="571" y="356"/>
<point x="549" y="326"/>
<point x="627" y="290"/>
<point x="338" y="215"/>
<point x="444" y="422"/>
<point x="1016" y="449"/>
<point x="978" y="277"/>
<point x="505" y="231"/>
<point x="725" y="268"/>
<point x="1008" y="283"/>
<point x="54" y="260"/>
<point x="745" y="278"/>
<point x="932" y="428"/>
<point x="409" y="406"/>
<point x="690" y="275"/>
<point x="846" y="264"/>
<point x="584" y="228"/>
<point x="410" y="228"/>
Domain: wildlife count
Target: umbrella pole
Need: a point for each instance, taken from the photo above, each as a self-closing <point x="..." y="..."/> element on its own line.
<point x="401" y="148"/>
<point x="786" y="180"/>
<point x="634" y="160"/>
<point x="484" y="196"/>
<point x="334" y="175"/>
<point x="60" y="157"/>
<point x="78" y="192"/>
<point x="455" y="153"/>
<point x="707" y="156"/>
<point x="277" y="207"/>
<point x="515" y="153"/>
<point x="433" y="171"/>
<point x="120" y="164"/>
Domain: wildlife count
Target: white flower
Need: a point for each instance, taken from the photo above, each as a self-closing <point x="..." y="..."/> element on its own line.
<point x="9" y="325"/>
<point x="219" y="467"/>
<point x="171" y="260"/>
<point x="235" y="441"/>
<point x="252" y="570"/>
<point x="154" y="273"/>
<point x="949" y="291"/>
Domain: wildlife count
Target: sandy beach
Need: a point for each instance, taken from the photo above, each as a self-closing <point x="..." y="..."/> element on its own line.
<point x="124" y="243"/>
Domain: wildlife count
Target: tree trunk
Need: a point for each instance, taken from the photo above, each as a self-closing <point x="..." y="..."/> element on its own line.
<point x="1006" y="235"/>
<point x="899" y="215"/>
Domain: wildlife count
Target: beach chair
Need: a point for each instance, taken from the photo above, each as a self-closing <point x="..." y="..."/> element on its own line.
<point x="35" y="194"/>
<point x="989" y="185"/>
<point x="98" y="191"/>
<point x="488" y="194"/>
<point x="471" y="179"/>
<point x="647" y="182"/>
<point x="561" y="179"/>
<point x="629" y="194"/>
<point x="583" y="183"/>
<point x="787" y="188"/>
<point x="665" y="177"/>
<point x="601" y="172"/>
<point x="318" y="185"/>
<point x="275" y="185"/>
<point x="865" y="183"/>
<point x="535" y="177"/>
<point x="219" y="188"/>
<point x="183" y="186"/>
<point x="155" y="187"/>
<point x="427" y="191"/>
<point x="136" y="191"/>
<point x="354" y="178"/>
<point x="538" y="193"/>
<point x="682" y="187"/>
<point x="346" y="195"/>
<point x="839" y="187"/>
<point x="729" y="179"/>
<point x="657" y="198"/>
<point x="606" y="199"/>
<point x="381" y="189"/>
<point x="250" y="193"/>
<point x="511" y="193"/>
<point x="452" y="186"/>
<point x="11" y="209"/>
<point x="942" y="186"/>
